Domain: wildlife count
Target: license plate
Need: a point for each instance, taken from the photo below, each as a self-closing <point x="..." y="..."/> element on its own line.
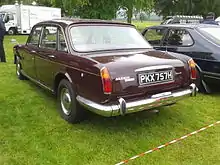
<point x="155" y="77"/>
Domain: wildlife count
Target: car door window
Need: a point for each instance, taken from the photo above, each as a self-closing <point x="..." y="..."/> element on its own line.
<point x="62" y="46"/>
<point x="34" y="36"/>
<point x="154" y="36"/>
<point x="49" y="37"/>
<point x="178" y="37"/>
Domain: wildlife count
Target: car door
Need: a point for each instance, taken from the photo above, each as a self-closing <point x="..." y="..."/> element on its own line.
<point x="49" y="59"/>
<point x="45" y="58"/>
<point x="29" y="53"/>
<point x="154" y="36"/>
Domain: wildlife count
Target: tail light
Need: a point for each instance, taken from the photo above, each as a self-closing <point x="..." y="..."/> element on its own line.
<point x="192" y="66"/>
<point x="106" y="81"/>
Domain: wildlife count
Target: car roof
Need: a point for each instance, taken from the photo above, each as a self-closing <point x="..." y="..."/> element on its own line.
<point x="188" y="26"/>
<point x="70" y="21"/>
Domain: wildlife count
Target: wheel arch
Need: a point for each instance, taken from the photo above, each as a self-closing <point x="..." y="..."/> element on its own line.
<point x="58" y="77"/>
<point x="15" y="29"/>
<point x="204" y="84"/>
<point x="198" y="67"/>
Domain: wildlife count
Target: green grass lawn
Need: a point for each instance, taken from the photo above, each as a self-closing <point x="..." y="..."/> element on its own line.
<point x="33" y="133"/>
<point x="142" y="25"/>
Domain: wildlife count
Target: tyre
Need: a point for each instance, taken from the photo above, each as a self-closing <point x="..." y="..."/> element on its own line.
<point x="18" y="71"/>
<point x="12" y="31"/>
<point x="68" y="106"/>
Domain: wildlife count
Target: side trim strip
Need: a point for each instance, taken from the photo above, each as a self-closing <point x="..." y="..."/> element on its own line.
<point x="211" y="74"/>
<point x="212" y="77"/>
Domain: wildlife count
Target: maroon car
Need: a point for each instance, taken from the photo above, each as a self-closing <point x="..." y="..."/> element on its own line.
<point x="103" y="66"/>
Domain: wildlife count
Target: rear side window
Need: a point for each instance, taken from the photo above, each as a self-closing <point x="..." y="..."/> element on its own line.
<point x="49" y="37"/>
<point x="154" y="36"/>
<point x="62" y="46"/>
<point x="178" y="37"/>
<point x="35" y="36"/>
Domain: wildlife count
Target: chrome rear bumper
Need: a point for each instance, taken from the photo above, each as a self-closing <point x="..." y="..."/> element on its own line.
<point x="124" y="107"/>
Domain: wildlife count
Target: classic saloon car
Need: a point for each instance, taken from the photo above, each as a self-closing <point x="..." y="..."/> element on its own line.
<point x="104" y="66"/>
<point x="198" y="41"/>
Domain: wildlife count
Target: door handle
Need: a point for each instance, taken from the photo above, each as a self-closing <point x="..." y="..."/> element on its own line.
<point x="51" y="56"/>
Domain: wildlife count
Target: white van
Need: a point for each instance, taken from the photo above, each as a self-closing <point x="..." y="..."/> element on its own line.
<point x="21" y="18"/>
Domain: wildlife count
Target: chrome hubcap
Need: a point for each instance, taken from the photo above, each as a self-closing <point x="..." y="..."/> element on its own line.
<point x="18" y="69"/>
<point x="65" y="101"/>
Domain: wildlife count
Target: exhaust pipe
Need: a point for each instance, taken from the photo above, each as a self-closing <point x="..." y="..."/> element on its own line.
<point x="122" y="104"/>
<point x="194" y="89"/>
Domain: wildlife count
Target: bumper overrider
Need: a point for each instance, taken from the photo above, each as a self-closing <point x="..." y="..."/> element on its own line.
<point x="123" y="107"/>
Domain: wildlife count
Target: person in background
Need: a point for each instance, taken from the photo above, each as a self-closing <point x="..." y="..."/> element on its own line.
<point x="2" y="33"/>
<point x="210" y="19"/>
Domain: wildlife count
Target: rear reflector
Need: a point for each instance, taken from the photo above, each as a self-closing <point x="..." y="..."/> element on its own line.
<point x="106" y="81"/>
<point x="192" y="66"/>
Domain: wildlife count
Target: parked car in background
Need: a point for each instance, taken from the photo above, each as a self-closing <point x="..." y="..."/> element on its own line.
<point x="106" y="67"/>
<point x="199" y="41"/>
<point x="182" y="19"/>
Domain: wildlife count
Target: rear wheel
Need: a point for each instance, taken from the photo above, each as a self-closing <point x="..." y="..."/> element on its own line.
<point x="69" y="108"/>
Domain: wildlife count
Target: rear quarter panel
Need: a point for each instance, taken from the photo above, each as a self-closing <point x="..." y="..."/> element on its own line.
<point x="85" y="76"/>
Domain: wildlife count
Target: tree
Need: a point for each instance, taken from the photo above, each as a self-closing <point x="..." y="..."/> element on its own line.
<point x="68" y="6"/>
<point x="142" y="16"/>
<point x="100" y="9"/>
<point x="138" y="5"/>
<point x="187" y="7"/>
<point x="48" y="3"/>
<point x="205" y="6"/>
